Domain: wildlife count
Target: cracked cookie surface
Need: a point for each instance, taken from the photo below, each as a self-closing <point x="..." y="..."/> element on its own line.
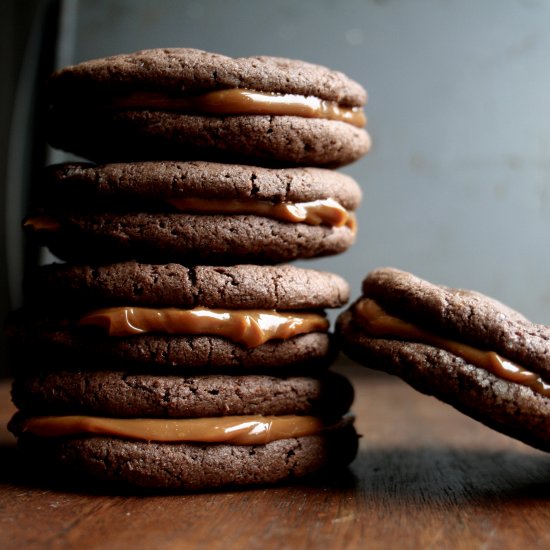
<point x="92" y="128"/>
<point x="500" y="401"/>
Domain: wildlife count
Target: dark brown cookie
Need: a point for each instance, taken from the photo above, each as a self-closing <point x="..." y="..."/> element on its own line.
<point x="229" y="214"/>
<point x="136" y="106"/>
<point x="122" y="395"/>
<point x="38" y="337"/>
<point x="191" y="239"/>
<point x="64" y="294"/>
<point x="497" y="374"/>
<point x="194" y="71"/>
<point x="79" y="184"/>
<point x="266" y="140"/>
<point x="465" y="315"/>
<point x="187" y="466"/>
<point x="281" y="287"/>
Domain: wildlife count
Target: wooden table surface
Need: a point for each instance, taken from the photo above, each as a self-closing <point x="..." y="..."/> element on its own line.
<point x="425" y="477"/>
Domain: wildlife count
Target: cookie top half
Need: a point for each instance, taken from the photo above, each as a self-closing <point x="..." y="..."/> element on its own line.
<point x="191" y="71"/>
<point x="281" y="287"/>
<point x="78" y="184"/>
<point x="122" y="395"/>
<point x="190" y="104"/>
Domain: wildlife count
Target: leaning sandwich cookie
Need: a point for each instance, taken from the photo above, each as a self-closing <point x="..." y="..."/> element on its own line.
<point x="194" y="212"/>
<point x="186" y="103"/>
<point x="467" y="349"/>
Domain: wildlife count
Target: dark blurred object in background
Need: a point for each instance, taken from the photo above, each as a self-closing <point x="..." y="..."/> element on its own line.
<point x="28" y="34"/>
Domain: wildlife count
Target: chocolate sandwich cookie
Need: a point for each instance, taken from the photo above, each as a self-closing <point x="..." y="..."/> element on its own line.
<point x="194" y="212"/>
<point x="244" y="316"/>
<point x="186" y="103"/>
<point x="468" y="350"/>
<point x="185" y="432"/>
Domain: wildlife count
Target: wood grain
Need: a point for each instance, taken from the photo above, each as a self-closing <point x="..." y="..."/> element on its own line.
<point x="426" y="477"/>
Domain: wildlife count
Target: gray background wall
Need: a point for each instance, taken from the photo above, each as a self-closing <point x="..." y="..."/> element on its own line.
<point x="457" y="186"/>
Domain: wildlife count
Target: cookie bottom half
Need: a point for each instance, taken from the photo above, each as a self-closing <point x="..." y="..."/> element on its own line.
<point x="191" y="466"/>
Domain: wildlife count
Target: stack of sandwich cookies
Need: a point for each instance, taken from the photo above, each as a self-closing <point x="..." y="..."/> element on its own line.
<point x="185" y="358"/>
<point x="184" y="404"/>
<point x="467" y="349"/>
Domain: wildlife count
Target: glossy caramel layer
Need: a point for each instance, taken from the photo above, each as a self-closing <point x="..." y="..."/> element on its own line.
<point x="319" y="212"/>
<point x="248" y="327"/>
<point x="240" y="101"/>
<point x="235" y="430"/>
<point x="378" y="322"/>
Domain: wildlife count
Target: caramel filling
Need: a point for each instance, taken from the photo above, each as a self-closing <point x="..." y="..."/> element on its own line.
<point x="235" y="430"/>
<point x="319" y="212"/>
<point x="248" y="327"/>
<point x="379" y="323"/>
<point x="42" y="223"/>
<point x="240" y="101"/>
